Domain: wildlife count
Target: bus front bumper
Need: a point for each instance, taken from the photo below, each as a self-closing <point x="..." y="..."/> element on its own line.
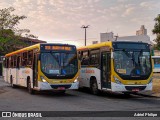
<point x="130" y="88"/>
<point x="47" y="86"/>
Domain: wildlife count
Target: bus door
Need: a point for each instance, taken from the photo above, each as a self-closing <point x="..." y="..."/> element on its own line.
<point x="1" y="69"/>
<point x="35" y="70"/>
<point x="7" y="70"/>
<point x="18" y="81"/>
<point x="106" y="69"/>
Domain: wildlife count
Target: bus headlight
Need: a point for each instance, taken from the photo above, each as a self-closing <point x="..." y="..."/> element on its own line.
<point x="76" y="80"/>
<point x="117" y="80"/>
<point x="43" y="80"/>
<point x="150" y="81"/>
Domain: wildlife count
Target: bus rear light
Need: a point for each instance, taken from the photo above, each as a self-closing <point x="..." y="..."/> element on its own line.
<point x="117" y="80"/>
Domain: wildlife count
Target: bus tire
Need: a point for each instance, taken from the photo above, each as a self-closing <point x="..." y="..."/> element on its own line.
<point x="94" y="86"/>
<point x="11" y="82"/>
<point x="30" y="90"/>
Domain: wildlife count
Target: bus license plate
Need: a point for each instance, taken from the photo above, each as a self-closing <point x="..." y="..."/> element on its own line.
<point x="135" y="90"/>
<point x="61" y="88"/>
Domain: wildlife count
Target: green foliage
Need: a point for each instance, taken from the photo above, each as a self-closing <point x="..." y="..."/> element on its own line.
<point x="10" y="34"/>
<point x="156" y="31"/>
<point x="158" y="42"/>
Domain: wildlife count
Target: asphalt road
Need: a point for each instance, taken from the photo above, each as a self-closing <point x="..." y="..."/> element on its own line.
<point x="18" y="99"/>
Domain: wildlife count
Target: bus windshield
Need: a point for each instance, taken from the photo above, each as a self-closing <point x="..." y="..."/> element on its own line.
<point x="59" y="63"/>
<point x="132" y="63"/>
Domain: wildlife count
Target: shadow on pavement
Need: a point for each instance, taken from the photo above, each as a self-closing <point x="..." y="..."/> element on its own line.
<point x="115" y="95"/>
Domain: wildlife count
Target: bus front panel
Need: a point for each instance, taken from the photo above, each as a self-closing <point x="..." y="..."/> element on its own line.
<point x="132" y="67"/>
<point x="59" y="67"/>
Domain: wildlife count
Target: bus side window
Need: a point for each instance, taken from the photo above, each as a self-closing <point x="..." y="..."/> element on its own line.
<point x="24" y="59"/>
<point x="11" y="62"/>
<point x="18" y="61"/>
<point x="79" y="55"/>
<point x="94" y="57"/>
<point x="7" y="62"/>
<point x="15" y="61"/>
<point x="30" y="58"/>
<point x="85" y="58"/>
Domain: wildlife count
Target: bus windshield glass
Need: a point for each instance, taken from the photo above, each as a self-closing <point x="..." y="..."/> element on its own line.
<point x="132" y="63"/>
<point x="59" y="63"/>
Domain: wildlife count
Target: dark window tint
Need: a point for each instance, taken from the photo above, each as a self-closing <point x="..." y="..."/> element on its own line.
<point x="85" y="58"/>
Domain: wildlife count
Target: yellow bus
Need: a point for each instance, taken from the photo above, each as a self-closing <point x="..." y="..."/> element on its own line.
<point x="116" y="66"/>
<point x="44" y="66"/>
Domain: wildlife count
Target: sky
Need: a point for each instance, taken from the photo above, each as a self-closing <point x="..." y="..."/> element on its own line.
<point x="61" y="20"/>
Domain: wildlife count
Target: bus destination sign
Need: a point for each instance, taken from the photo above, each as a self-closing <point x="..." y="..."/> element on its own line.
<point x="49" y="47"/>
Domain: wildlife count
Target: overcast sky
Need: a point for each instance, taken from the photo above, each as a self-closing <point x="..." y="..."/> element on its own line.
<point x="61" y="20"/>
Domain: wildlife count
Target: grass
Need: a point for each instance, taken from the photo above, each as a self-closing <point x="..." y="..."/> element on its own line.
<point x="156" y="84"/>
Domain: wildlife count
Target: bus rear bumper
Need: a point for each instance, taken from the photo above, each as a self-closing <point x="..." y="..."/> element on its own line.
<point x="130" y="88"/>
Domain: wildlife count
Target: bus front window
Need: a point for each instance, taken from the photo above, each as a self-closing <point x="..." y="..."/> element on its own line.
<point x="59" y="63"/>
<point x="132" y="63"/>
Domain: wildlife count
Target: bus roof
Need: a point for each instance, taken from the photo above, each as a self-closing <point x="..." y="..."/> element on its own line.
<point x="23" y="50"/>
<point x="107" y="43"/>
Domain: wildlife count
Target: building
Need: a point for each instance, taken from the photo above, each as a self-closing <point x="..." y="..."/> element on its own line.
<point x="106" y="36"/>
<point x="142" y="31"/>
<point x="141" y="36"/>
<point x="156" y="53"/>
<point x="31" y="41"/>
<point x="94" y="42"/>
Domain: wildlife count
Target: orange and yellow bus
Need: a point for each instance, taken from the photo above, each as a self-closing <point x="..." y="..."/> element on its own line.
<point x="116" y="66"/>
<point x="43" y="67"/>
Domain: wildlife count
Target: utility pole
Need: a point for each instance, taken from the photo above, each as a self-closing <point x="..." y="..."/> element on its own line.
<point x="85" y="27"/>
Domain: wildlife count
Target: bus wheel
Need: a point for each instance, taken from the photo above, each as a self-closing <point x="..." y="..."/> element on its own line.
<point x="30" y="90"/>
<point x="11" y="81"/>
<point x="94" y="87"/>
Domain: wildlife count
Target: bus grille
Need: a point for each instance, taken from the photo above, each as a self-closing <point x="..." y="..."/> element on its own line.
<point x="57" y="86"/>
<point x="130" y="88"/>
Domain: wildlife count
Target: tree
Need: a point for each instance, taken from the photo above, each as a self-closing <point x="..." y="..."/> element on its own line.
<point x="10" y="34"/>
<point x="156" y="31"/>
